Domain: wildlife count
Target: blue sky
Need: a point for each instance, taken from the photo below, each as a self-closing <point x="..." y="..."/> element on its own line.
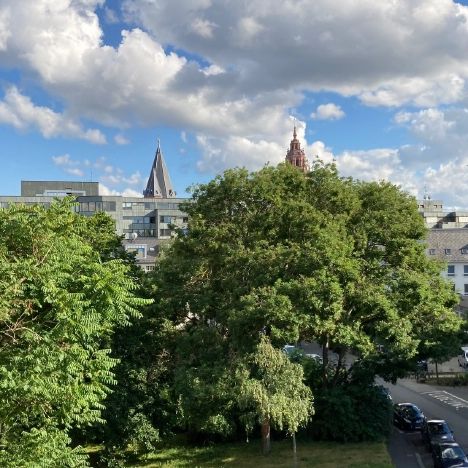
<point x="88" y="86"/>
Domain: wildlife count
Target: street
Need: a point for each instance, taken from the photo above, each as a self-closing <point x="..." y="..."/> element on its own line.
<point x="449" y="403"/>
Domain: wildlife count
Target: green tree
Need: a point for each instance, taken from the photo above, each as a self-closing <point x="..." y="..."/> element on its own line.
<point x="60" y="302"/>
<point x="272" y="392"/>
<point x="295" y="256"/>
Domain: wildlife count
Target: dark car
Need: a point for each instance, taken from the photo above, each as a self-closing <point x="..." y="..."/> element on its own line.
<point x="448" y="454"/>
<point x="421" y="365"/>
<point x="407" y="416"/>
<point x="436" y="431"/>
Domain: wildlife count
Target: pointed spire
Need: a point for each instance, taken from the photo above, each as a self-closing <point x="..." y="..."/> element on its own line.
<point x="159" y="183"/>
<point x="294" y="132"/>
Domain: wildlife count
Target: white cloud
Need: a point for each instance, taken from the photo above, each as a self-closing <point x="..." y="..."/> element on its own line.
<point x="387" y="53"/>
<point x="68" y="165"/>
<point x="20" y="112"/>
<point x="64" y="160"/>
<point x="126" y="192"/>
<point x="428" y="124"/>
<point x="213" y="70"/>
<point x="115" y="176"/>
<point x="256" y="59"/>
<point x="328" y="111"/>
<point x="74" y="171"/>
<point x="110" y="16"/>
<point x="203" y="28"/>
<point x="5" y="31"/>
<point x="121" y="139"/>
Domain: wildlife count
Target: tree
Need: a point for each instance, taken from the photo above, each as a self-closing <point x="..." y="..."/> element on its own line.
<point x="60" y="303"/>
<point x="272" y="392"/>
<point x="295" y="256"/>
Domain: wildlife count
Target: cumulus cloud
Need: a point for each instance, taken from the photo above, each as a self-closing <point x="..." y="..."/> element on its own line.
<point x="229" y="72"/>
<point x="328" y="111"/>
<point x="107" y="174"/>
<point x="126" y="192"/>
<point x="387" y="53"/>
<point x="121" y="139"/>
<point x="68" y="165"/>
<point x="19" y="111"/>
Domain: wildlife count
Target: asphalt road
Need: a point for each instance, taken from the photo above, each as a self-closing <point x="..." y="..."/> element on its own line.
<point x="451" y="404"/>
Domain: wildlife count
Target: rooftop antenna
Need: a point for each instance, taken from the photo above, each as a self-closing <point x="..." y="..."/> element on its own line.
<point x="427" y="196"/>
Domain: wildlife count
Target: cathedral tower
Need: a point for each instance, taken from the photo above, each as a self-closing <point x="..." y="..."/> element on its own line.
<point x="295" y="155"/>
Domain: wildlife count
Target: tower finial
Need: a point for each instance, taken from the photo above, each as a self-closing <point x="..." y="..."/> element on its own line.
<point x="294" y="132"/>
<point x="159" y="144"/>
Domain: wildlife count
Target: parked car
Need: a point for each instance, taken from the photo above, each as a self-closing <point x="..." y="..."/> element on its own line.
<point x="421" y="366"/>
<point x="463" y="357"/>
<point x="408" y="416"/>
<point x="448" y="454"/>
<point x="315" y="357"/>
<point x="384" y="391"/>
<point x="436" y="431"/>
<point x="296" y="354"/>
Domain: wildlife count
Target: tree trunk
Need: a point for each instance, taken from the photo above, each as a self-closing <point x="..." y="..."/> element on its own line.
<point x="266" y="446"/>
<point x="294" y="449"/>
<point x="325" y="361"/>
<point x="339" y="365"/>
<point x="437" y="372"/>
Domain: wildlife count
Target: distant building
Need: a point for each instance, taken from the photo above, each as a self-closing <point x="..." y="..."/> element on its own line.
<point x="296" y="155"/>
<point x="146" y="223"/>
<point x="448" y="241"/>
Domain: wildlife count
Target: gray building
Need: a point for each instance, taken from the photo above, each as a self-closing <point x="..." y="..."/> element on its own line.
<point x="146" y="223"/>
<point x="448" y="241"/>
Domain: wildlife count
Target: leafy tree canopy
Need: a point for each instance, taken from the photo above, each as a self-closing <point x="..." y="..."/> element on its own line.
<point x="306" y="256"/>
<point x="63" y="292"/>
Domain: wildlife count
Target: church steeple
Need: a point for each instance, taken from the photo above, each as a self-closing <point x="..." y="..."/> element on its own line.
<point x="159" y="183"/>
<point x="295" y="155"/>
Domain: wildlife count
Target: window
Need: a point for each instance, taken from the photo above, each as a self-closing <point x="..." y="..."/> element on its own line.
<point x="165" y="219"/>
<point x="185" y="219"/>
<point x="139" y="250"/>
<point x="165" y="232"/>
<point x="432" y="251"/>
<point x="448" y="251"/>
<point x="168" y="206"/>
<point x="451" y="270"/>
<point x="149" y="267"/>
<point x="466" y="290"/>
<point x="127" y="205"/>
<point x="464" y="250"/>
<point x="465" y="270"/>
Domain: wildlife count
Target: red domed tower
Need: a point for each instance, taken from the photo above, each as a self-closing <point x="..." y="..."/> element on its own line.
<point x="295" y="155"/>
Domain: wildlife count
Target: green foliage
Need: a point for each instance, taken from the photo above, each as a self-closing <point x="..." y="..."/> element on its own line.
<point x="143" y="436"/>
<point x="292" y="257"/>
<point x="60" y="303"/>
<point x="271" y="388"/>
<point x="351" y="413"/>
<point x="42" y="448"/>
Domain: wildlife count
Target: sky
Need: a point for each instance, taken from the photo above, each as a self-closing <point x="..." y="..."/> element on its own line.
<point x="87" y="87"/>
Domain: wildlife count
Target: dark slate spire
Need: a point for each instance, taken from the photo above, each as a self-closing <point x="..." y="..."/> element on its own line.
<point x="159" y="183"/>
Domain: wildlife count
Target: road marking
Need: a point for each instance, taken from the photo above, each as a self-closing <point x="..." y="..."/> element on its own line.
<point x="447" y="398"/>
<point x="419" y="460"/>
